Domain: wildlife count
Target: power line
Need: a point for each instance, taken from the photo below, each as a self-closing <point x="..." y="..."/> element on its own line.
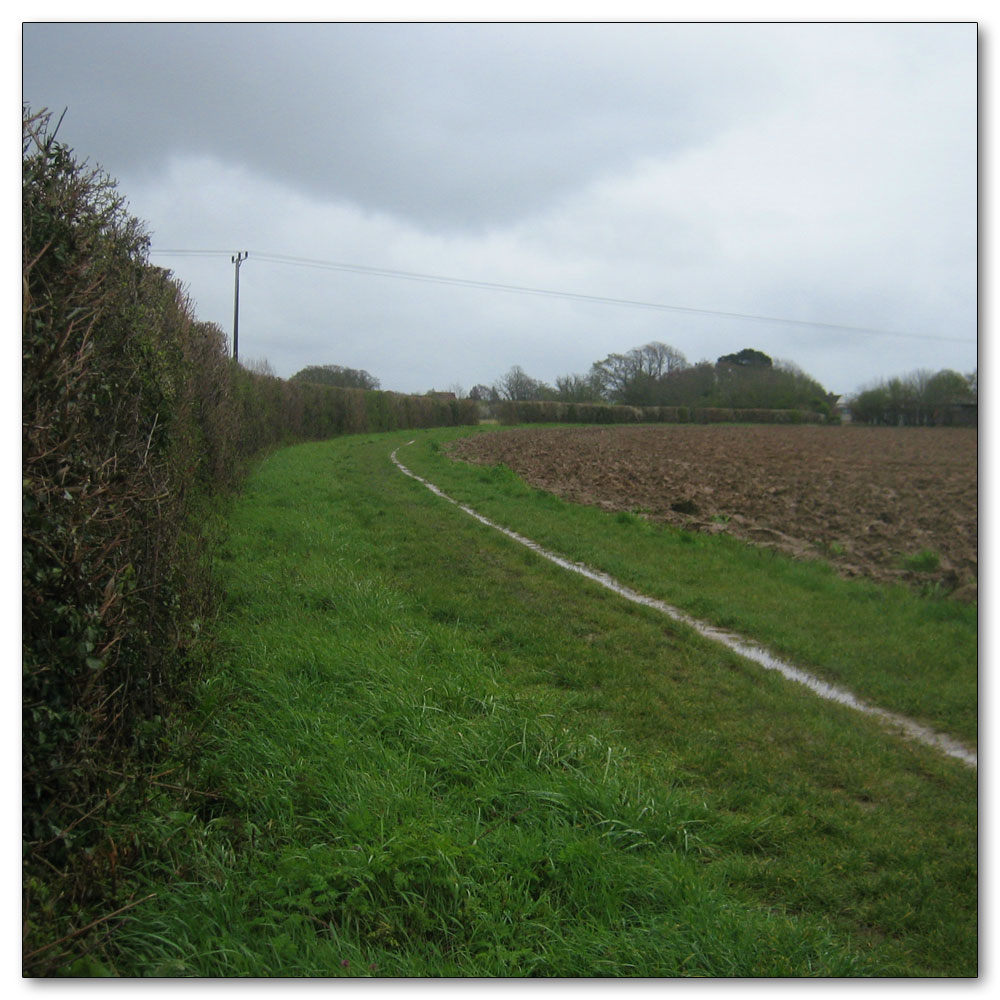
<point x="384" y="272"/>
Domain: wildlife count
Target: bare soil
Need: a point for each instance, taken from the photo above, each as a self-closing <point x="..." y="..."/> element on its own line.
<point x="866" y="499"/>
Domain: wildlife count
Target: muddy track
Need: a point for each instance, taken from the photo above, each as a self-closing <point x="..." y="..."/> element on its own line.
<point x="866" y="499"/>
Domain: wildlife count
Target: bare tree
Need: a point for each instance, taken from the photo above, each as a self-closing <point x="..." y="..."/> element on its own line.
<point x="635" y="377"/>
<point x="259" y="366"/>
<point x="578" y="388"/>
<point x="517" y="384"/>
<point x="483" y="394"/>
<point x="658" y="359"/>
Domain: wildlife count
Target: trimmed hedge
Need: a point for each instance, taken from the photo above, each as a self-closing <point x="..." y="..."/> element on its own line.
<point x="273" y="411"/>
<point x="533" y="412"/>
<point x="132" y="412"/>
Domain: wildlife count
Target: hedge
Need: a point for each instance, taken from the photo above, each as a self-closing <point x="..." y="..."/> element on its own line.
<point x="133" y="416"/>
<point x="534" y="411"/>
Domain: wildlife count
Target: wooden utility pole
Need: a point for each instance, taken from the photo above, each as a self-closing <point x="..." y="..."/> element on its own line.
<point x="237" y="260"/>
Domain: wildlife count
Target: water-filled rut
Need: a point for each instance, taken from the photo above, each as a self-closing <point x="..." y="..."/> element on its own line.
<point x="738" y="644"/>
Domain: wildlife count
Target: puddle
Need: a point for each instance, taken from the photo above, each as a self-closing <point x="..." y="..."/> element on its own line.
<point x="738" y="644"/>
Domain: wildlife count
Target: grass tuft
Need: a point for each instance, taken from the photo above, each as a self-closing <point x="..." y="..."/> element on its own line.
<point x="924" y="561"/>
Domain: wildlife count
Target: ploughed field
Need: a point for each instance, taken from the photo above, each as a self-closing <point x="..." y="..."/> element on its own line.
<point x="867" y="499"/>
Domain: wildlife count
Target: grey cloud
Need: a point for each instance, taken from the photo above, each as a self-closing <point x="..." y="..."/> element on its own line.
<point x="823" y="172"/>
<point x="450" y="126"/>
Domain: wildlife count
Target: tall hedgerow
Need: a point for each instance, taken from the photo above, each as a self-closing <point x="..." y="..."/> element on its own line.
<point x="132" y="414"/>
<point x="125" y="418"/>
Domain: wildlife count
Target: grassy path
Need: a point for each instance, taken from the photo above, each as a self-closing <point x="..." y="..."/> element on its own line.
<point x="738" y="644"/>
<point x="910" y="655"/>
<point x="429" y="752"/>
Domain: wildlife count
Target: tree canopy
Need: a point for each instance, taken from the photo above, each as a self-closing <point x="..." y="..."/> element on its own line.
<point x="747" y="358"/>
<point x="633" y="378"/>
<point x="657" y="374"/>
<point x="919" y="398"/>
<point x="517" y="384"/>
<point x="344" y="378"/>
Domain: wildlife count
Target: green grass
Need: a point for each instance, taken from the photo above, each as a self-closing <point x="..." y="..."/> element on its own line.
<point x="428" y="752"/>
<point x="888" y="644"/>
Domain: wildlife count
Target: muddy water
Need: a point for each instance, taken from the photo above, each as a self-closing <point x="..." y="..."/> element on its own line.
<point x="738" y="644"/>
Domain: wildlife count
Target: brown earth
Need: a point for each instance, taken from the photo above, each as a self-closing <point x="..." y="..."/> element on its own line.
<point x="863" y="498"/>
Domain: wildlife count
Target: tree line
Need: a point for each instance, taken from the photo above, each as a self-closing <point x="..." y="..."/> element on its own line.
<point x="658" y="374"/>
<point x="920" y="399"/>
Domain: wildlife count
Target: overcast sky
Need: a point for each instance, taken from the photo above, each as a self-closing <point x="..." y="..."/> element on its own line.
<point x="823" y="173"/>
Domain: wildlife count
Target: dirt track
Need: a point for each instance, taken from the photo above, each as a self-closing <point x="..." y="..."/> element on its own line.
<point x="863" y="498"/>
